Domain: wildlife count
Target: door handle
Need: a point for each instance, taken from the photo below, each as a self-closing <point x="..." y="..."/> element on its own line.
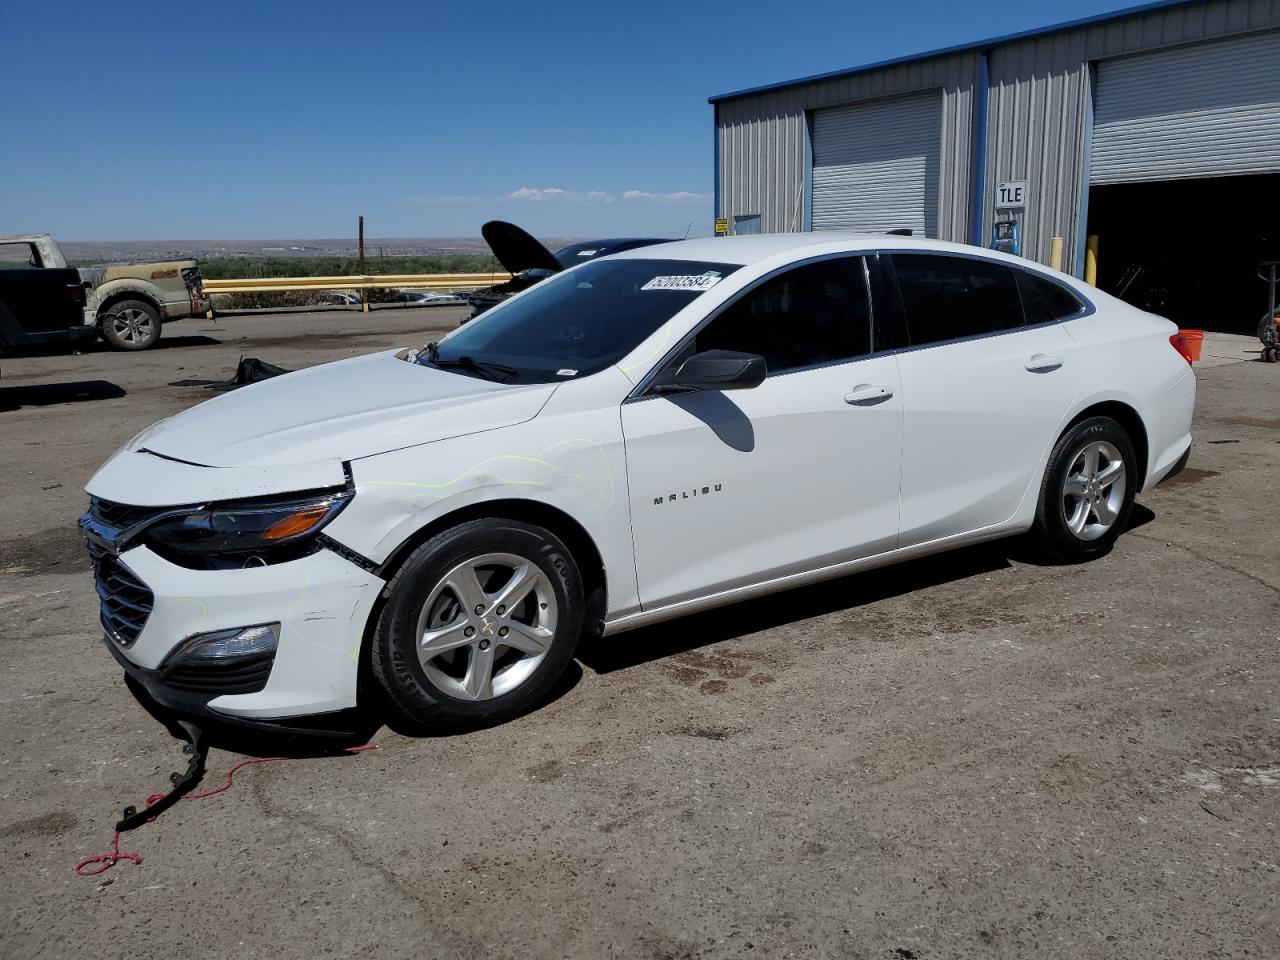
<point x="868" y="395"/>
<point x="1043" y="363"/>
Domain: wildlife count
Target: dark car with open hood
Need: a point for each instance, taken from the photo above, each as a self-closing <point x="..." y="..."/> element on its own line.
<point x="529" y="261"/>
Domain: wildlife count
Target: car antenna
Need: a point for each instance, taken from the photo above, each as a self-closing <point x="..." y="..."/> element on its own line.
<point x="686" y="231"/>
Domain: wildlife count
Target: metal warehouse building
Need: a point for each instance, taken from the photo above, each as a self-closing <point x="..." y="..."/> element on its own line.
<point x="1155" y="129"/>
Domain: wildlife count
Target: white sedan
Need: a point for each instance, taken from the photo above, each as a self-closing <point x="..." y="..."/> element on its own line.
<point x="648" y="434"/>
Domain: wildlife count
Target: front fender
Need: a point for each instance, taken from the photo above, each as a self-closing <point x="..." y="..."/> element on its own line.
<point x="573" y="462"/>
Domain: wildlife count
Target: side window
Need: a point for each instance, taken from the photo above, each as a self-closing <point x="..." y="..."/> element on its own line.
<point x="1044" y="301"/>
<point x="945" y="297"/>
<point x="19" y="256"/>
<point x="813" y="314"/>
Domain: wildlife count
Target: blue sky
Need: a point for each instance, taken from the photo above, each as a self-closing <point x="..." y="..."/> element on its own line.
<point x="134" y="120"/>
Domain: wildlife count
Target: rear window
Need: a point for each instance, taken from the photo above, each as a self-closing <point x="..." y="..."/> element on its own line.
<point x="947" y="298"/>
<point x="1044" y="301"/>
<point x="576" y="323"/>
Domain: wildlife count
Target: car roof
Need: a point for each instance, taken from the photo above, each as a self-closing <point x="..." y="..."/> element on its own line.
<point x="748" y="249"/>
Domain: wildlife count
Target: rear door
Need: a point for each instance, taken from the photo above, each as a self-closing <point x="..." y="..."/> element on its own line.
<point x="983" y="392"/>
<point x="729" y="488"/>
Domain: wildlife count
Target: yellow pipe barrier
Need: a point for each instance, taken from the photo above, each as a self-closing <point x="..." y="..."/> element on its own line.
<point x="1055" y="253"/>
<point x="435" y="281"/>
<point x="1091" y="261"/>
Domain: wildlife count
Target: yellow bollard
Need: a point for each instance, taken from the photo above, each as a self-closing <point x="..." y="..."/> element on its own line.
<point x="1055" y="252"/>
<point x="1091" y="261"/>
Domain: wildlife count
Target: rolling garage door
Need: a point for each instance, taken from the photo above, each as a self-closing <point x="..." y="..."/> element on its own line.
<point x="875" y="165"/>
<point x="1212" y="109"/>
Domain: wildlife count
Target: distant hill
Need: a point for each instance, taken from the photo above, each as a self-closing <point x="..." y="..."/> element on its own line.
<point x="85" y="251"/>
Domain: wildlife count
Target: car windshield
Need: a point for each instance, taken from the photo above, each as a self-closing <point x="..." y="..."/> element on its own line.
<point x="575" y="323"/>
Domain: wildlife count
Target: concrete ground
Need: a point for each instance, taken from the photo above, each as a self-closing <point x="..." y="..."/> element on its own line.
<point x="968" y="756"/>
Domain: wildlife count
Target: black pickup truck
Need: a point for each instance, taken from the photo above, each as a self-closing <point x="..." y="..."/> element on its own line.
<point x="41" y="305"/>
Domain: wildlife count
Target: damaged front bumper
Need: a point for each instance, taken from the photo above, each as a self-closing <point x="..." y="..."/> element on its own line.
<point x="315" y="607"/>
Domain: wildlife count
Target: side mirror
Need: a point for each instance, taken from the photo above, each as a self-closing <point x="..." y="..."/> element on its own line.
<point x="722" y="370"/>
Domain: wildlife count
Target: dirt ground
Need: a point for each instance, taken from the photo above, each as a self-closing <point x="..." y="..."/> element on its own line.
<point x="968" y="756"/>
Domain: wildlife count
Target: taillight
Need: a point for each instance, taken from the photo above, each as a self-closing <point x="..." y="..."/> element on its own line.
<point x="77" y="293"/>
<point x="1179" y="343"/>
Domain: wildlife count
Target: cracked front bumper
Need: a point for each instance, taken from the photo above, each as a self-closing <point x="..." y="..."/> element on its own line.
<point x="322" y="603"/>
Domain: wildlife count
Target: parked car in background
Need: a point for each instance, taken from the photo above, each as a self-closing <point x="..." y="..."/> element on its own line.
<point x="342" y="297"/>
<point x="39" y="305"/>
<point x="659" y="432"/>
<point x="420" y="298"/>
<point x="529" y="261"/>
<point x="127" y="303"/>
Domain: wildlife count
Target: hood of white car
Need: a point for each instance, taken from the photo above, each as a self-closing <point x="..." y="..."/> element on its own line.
<point x="340" y="411"/>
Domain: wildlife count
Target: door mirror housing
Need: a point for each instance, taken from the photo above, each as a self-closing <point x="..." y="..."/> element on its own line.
<point x="722" y="370"/>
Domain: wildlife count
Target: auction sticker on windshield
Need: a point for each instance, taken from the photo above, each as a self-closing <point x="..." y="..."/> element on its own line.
<point x="704" y="282"/>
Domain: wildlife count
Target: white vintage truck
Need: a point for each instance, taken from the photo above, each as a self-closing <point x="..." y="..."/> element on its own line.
<point x="127" y="303"/>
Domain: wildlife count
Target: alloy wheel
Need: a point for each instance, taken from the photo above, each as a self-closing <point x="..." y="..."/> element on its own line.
<point x="1094" y="489"/>
<point x="486" y="626"/>
<point x="131" y="325"/>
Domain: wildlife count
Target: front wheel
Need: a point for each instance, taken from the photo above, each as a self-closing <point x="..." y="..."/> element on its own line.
<point x="1087" y="493"/>
<point x="130" y="325"/>
<point x="478" y="624"/>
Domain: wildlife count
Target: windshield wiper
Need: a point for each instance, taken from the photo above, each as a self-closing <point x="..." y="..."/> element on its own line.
<point x="493" y="371"/>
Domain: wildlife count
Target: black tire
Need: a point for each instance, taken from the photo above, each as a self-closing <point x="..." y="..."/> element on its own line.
<point x="1272" y="322"/>
<point x="1050" y="533"/>
<point x="394" y="661"/>
<point x="130" y="325"/>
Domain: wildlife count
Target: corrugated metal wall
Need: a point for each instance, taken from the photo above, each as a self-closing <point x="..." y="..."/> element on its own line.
<point x="1036" y="122"/>
<point x="762" y="140"/>
<point x="1035" y="132"/>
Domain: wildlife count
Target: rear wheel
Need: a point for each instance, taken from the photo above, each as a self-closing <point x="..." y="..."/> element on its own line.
<point x="478" y="624"/>
<point x="1087" y="493"/>
<point x="130" y="325"/>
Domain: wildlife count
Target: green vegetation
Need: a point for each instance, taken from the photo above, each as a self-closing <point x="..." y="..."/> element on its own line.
<point x="229" y="268"/>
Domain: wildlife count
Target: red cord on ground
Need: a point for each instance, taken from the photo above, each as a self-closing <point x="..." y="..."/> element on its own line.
<point x="108" y="860"/>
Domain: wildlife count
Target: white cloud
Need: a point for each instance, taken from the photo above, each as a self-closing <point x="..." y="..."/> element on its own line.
<point x="680" y="196"/>
<point x="561" y="194"/>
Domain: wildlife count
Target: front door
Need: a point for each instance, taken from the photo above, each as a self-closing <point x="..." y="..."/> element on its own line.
<point x="729" y="488"/>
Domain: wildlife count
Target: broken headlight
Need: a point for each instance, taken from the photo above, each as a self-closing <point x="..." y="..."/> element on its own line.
<point x="226" y="536"/>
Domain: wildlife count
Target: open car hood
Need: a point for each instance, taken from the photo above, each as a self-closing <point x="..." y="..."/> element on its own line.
<point x="516" y="250"/>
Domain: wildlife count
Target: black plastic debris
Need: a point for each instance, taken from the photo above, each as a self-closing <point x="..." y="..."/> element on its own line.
<point x="253" y="370"/>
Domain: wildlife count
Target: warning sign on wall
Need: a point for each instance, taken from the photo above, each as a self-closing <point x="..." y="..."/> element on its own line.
<point x="722" y="226"/>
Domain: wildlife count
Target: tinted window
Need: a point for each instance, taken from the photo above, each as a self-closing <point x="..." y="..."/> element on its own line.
<point x="1043" y="300"/>
<point x="949" y="297"/>
<point x="574" y="324"/>
<point x="813" y="314"/>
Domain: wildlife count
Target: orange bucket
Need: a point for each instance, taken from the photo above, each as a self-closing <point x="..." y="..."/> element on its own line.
<point x="1195" y="340"/>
